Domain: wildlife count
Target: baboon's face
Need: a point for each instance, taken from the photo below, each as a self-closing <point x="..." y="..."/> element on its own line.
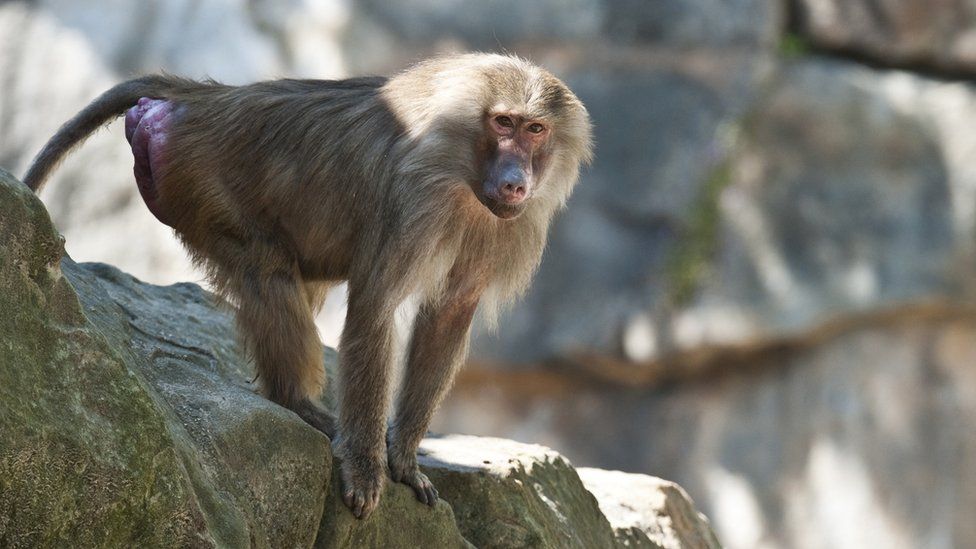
<point x="514" y="159"/>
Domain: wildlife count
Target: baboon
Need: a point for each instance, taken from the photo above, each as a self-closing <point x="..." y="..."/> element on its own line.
<point x="439" y="182"/>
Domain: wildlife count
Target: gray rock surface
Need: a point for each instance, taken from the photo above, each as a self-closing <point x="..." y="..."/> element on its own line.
<point x="920" y="33"/>
<point x="648" y="512"/>
<point x="510" y="495"/>
<point x="127" y="419"/>
<point x="849" y="191"/>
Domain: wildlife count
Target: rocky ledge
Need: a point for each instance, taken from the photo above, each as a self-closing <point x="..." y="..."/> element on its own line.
<point x="127" y="418"/>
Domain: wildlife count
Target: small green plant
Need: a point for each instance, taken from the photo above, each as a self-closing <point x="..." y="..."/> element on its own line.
<point x="793" y="45"/>
<point x="691" y="261"/>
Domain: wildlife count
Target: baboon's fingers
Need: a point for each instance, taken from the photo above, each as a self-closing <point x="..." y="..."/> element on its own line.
<point x="425" y="490"/>
<point x="421" y="495"/>
<point x="359" y="505"/>
<point x="432" y="495"/>
<point x="362" y="503"/>
<point x="422" y="487"/>
<point x="361" y="487"/>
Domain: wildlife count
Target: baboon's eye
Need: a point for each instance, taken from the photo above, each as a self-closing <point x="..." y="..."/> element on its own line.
<point x="504" y="121"/>
<point x="536" y="128"/>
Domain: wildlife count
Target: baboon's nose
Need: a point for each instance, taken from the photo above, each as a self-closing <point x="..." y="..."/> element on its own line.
<point x="513" y="193"/>
<point x="513" y="184"/>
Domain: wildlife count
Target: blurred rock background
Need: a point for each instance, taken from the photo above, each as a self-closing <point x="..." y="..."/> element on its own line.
<point x="763" y="288"/>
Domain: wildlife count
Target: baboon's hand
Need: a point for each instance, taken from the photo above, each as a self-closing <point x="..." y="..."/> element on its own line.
<point x="362" y="483"/>
<point x="404" y="469"/>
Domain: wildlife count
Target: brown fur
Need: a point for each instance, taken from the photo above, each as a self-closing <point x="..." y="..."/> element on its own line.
<point x="281" y="189"/>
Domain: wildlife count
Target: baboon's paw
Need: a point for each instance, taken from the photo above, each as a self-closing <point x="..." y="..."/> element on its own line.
<point x="362" y="484"/>
<point x="404" y="469"/>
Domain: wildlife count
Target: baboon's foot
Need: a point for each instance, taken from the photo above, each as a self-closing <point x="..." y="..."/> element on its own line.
<point x="317" y="417"/>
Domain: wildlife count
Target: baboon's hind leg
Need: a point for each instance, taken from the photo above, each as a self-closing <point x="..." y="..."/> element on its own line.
<point x="275" y="319"/>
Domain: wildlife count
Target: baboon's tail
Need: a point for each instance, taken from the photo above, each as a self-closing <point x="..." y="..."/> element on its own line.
<point x="109" y="105"/>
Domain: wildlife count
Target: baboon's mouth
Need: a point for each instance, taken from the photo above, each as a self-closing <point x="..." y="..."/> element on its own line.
<point x="502" y="210"/>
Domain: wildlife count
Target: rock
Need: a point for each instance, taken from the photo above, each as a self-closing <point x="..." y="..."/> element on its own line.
<point x="83" y="442"/>
<point x="917" y="33"/>
<point x="507" y="495"/>
<point x="384" y="35"/>
<point x="399" y="521"/>
<point x="850" y="191"/>
<point x="695" y="24"/>
<point x="648" y="512"/>
<point x="127" y="418"/>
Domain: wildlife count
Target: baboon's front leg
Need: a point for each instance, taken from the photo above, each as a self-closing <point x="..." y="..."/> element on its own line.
<point x="365" y="355"/>
<point x="438" y="347"/>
